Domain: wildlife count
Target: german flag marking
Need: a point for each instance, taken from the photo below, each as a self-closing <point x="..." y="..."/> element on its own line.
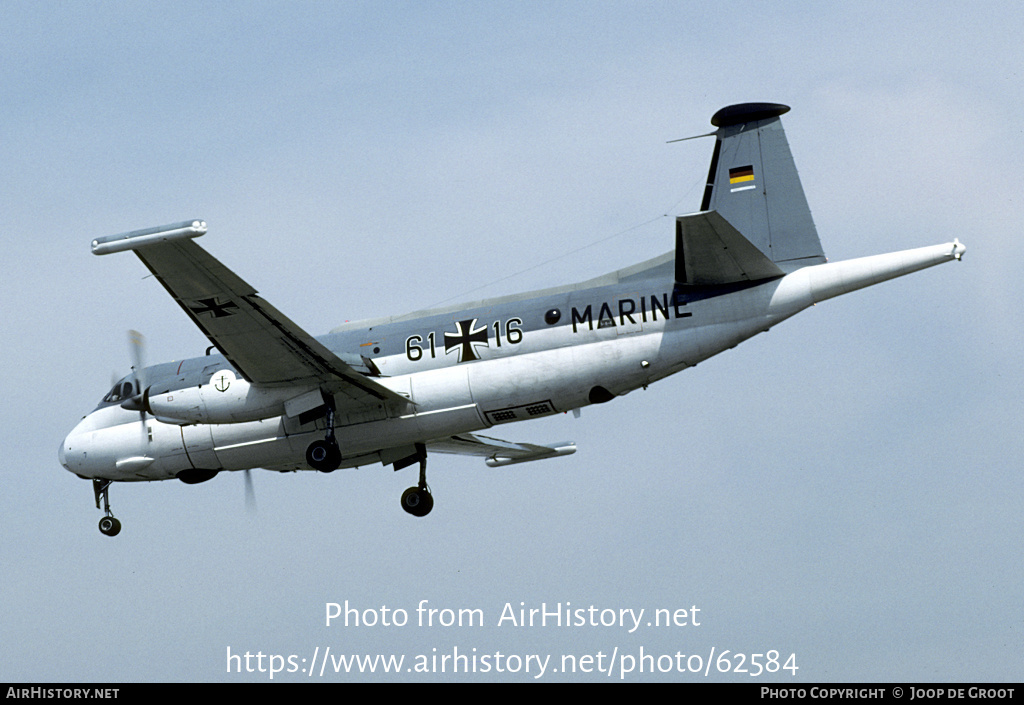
<point x="740" y="174"/>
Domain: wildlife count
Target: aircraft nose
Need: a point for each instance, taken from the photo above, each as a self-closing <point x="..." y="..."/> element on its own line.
<point x="72" y="452"/>
<point x="66" y="453"/>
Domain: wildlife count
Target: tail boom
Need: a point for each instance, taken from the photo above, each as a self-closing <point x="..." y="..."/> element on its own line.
<point x="810" y="285"/>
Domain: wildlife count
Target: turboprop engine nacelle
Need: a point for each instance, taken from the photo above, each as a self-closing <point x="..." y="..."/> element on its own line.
<point x="227" y="398"/>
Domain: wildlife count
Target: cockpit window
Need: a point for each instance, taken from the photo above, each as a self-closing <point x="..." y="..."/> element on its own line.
<point x="124" y="389"/>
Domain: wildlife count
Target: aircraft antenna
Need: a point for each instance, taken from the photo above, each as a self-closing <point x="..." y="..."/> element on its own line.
<point x="666" y="214"/>
<point x="547" y="262"/>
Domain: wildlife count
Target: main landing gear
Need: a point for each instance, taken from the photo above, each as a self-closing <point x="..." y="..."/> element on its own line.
<point x="417" y="500"/>
<point x="325" y="455"/>
<point x="109" y="526"/>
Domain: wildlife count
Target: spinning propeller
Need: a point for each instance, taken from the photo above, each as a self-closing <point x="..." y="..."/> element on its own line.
<point x="140" y="402"/>
<point x="137" y="344"/>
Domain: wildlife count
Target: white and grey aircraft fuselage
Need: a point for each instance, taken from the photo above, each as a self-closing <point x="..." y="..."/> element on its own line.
<point x="392" y="390"/>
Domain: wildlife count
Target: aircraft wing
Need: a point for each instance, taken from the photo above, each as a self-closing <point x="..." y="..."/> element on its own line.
<point x="263" y="344"/>
<point x="496" y="452"/>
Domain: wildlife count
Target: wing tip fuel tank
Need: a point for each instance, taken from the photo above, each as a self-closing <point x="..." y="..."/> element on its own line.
<point x="148" y="236"/>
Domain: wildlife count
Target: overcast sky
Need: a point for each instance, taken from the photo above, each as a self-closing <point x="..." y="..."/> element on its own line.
<point x="846" y="488"/>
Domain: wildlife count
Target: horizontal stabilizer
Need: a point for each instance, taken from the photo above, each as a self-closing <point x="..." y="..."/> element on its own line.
<point x="711" y="251"/>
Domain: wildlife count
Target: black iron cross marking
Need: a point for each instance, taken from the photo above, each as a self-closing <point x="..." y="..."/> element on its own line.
<point x="465" y="339"/>
<point x="211" y="306"/>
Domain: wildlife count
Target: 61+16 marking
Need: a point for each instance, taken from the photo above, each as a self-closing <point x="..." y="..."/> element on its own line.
<point x="466" y="339"/>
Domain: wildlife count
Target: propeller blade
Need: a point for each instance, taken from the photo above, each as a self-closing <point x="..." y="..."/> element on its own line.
<point x="137" y="344"/>
<point x="250" y="492"/>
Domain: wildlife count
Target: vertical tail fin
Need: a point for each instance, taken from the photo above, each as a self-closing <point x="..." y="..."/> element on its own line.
<point x="754" y="185"/>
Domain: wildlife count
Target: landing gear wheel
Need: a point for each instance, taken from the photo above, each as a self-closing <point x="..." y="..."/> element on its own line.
<point x="109" y="526"/>
<point x="417" y="501"/>
<point x="324" y="456"/>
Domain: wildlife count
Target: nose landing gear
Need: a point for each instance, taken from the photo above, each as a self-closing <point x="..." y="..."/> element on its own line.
<point x="109" y="526"/>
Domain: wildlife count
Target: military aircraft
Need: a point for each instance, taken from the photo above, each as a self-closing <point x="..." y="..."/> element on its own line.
<point x="395" y="389"/>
